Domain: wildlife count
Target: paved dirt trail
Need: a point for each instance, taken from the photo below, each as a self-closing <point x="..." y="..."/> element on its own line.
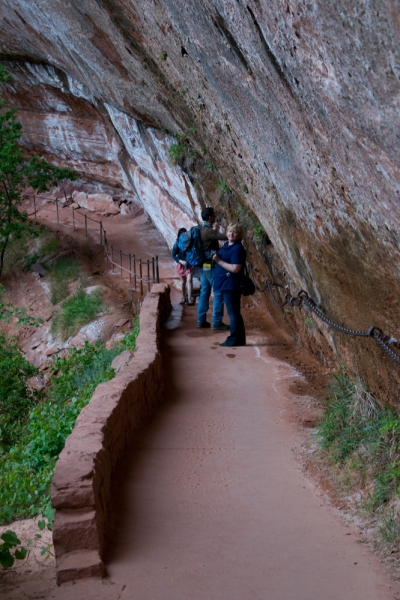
<point x="209" y="502"/>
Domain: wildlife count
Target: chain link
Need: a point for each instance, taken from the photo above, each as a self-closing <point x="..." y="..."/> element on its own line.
<point x="303" y="298"/>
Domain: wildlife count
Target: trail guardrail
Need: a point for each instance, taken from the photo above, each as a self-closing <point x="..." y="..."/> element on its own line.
<point x="140" y="272"/>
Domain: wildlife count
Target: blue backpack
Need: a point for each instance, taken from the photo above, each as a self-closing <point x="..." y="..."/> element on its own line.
<point x="190" y="244"/>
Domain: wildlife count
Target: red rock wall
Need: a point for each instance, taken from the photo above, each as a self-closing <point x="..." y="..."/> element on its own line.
<point x="80" y="488"/>
<point x="296" y="103"/>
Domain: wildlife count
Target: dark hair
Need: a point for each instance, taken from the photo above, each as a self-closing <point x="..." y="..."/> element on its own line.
<point x="181" y="230"/>
<point x="206" y="213"/>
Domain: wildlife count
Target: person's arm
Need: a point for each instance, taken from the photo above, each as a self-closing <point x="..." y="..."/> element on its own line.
<point x="175" y="255"/>
<point x="235" y="268"/>
<point x="211" y="235"/>
<point x="238" y="255"/>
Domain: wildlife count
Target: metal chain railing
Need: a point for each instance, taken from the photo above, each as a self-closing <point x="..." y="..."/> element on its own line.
<point x="303" y="298"/>
<point x="135" y="265"/>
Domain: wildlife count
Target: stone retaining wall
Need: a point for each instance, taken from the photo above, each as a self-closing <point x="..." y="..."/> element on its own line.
<point x="80" y="489"/>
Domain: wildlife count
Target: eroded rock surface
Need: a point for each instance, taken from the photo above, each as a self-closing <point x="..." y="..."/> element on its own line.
<point x="297" y="104"/>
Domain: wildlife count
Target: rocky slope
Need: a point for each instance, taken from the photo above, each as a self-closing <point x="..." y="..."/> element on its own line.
<point x="295" y="102"/>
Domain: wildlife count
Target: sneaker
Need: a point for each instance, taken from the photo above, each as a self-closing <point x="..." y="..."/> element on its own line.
<point x="220" y="327"/>
<point x="203" y="324"/>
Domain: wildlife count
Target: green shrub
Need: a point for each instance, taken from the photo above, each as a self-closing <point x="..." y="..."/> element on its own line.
<point x="181" y="153"/>
<point x="61" y="275"/>
<point x="360" y="435"/>
<point x="77" y="311"/>
<point x="222" y="188"/>
<point x="16" y="399"/>
<point x="177" y="153"/>
<point x="27" y="467"/>
<point x="51" y="246"/>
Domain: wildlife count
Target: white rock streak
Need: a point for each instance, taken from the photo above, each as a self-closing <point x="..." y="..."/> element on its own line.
<point x="163" y="190"/>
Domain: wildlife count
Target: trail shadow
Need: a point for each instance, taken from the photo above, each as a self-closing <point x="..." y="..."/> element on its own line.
<point x="123" y="513"/>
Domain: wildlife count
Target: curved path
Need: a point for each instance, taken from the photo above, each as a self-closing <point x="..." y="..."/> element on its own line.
<point x="209" y="503"/>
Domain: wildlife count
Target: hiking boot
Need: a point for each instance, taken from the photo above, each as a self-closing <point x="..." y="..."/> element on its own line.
<point x="203" y="324"/>
<point x="220" y="327"/>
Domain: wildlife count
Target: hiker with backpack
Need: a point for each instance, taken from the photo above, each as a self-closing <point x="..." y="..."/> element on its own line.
<point x="184" y="269"/>
<point x="209" y="239"/>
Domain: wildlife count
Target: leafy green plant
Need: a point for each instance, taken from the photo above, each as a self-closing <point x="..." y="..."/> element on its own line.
<point x="16" y="398"/>
<point x="210" y="166"/>
<point x="9" y="551"/>
<point x="222" y="188"/>
<point x="309" y="321"/>
<point x="27" y="467"/>
<point x="181" y="153"/>
<point x="12" y="549"/>
<point x="77" y="311"/>
<point x="163" y="56"/>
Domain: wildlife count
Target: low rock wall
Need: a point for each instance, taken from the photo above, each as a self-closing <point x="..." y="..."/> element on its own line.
<point x="80" y="489"/>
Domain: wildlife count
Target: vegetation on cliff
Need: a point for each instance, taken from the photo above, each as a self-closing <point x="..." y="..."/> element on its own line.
<point x="34" y="425"/>
<point x="363" y="441"/>
<point x="17" y="173"/>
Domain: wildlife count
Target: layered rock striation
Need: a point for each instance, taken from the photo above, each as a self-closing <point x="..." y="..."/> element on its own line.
<point x="295" y="102"/>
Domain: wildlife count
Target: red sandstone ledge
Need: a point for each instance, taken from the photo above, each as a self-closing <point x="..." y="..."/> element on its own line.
<point x="80" y="489"/>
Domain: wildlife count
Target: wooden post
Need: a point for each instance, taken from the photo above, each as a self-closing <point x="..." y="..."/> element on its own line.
<point x="141" y="276"/>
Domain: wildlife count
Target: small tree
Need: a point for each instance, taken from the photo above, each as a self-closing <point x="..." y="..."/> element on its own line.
<point x="17" y="173"/>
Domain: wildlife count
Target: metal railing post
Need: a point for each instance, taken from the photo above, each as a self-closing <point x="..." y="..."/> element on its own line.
<point x="85" y="225"/>
<point x="134" y="271"/>
<point x="112" y="258"/>
<point x="120" y="262"/>
<point x="73" y="218"/>
<point x="130" y="269"/>
<point x="157" y="272"/>
<point x="101" y="233"/>
<point x="58" y="218"/>
<point x="141" y="276"/>
<point x="148" y="275"/>
<point x="34" y="205"/>
<point x="153" y="266"/>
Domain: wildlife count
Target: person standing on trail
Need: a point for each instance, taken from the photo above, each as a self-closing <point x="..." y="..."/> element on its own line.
<point x="210" y="237"/>
<point x="184" y="270"/>
<point x="230" y="260"/>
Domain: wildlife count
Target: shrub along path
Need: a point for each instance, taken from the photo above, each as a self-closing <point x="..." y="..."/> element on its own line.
<point x="210" y="503"/>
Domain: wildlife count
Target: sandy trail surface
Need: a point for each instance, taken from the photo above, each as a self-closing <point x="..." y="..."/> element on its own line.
<point x="209" y="501"/>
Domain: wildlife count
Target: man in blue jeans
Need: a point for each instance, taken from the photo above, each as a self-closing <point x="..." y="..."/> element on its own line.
<point x="210" y="238"/>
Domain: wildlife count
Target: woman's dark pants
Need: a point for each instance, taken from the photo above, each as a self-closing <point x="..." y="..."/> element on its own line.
<point x="237" y="335"/>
